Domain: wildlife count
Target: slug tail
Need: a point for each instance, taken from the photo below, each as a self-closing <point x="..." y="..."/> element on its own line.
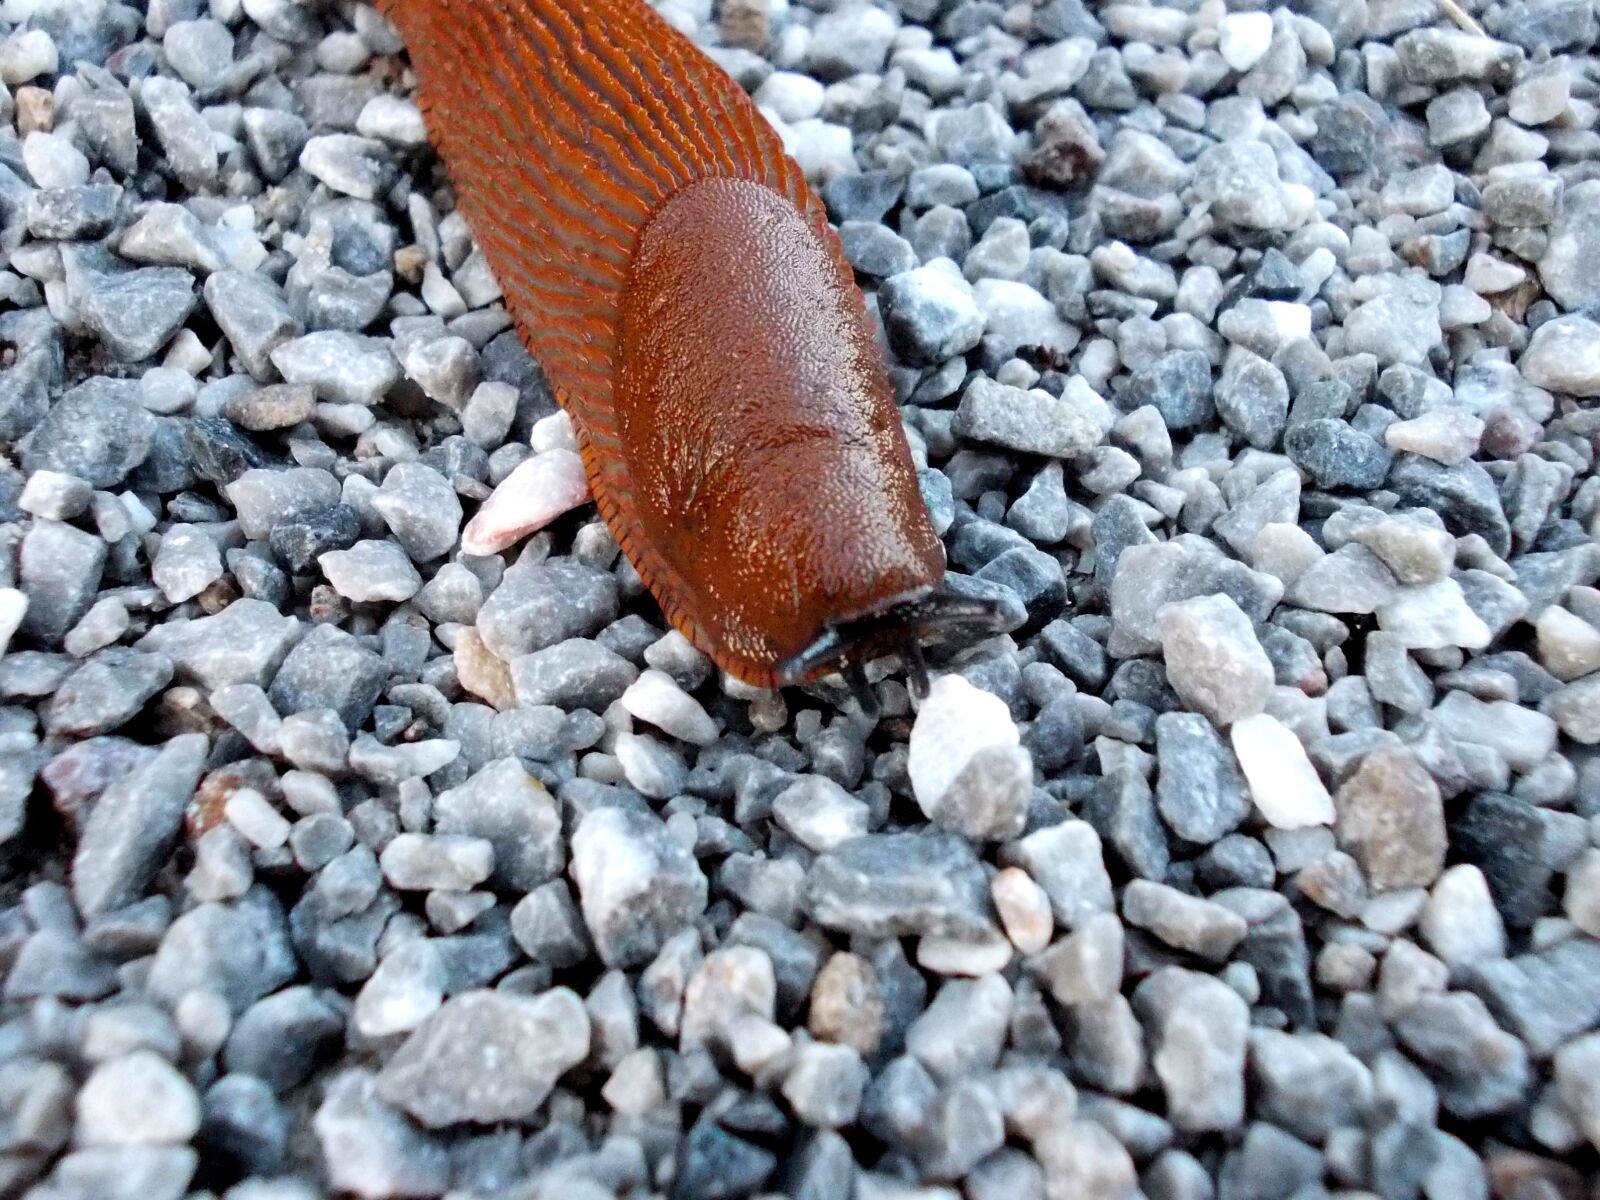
<point x="566" y="124"/>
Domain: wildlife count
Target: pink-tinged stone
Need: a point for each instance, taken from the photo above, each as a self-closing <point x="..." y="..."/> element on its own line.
<point x="528" y="499"/>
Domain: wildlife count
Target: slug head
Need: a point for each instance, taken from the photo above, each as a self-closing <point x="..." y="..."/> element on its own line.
<point x="899" y="627"/>
<point x="768" y="494"/>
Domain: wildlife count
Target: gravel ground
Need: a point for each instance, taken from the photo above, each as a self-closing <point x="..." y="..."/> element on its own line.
<point x="365" y="834"/>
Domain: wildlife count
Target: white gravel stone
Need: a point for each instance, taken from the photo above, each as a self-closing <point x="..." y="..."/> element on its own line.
<point x="823" y="150"/>
<point x="391" y="119"/>
<point x="1214" y="661"/>
<point x="420" y="862"/>
<point x="1460" y="922"/>
<point x="187" y="563"/>
<point x="964" y="957"/>
<point x="1569" y="646"/>
<point x="966" y="766"/>
<point x="13" y="607"/>
<point x="346" y="163"/>
<point x="26" y="55"/>
<point x="1284" y="785"/>
<point x="1446" y="435"/>
<point x="252" y="814"/>
<point x="1024" y="909"/>
<point x="53" y="161"/>
<point x="137" y="1100"/>
<point x="792" y="96"/>
<point x="340" y="366"/>
<point x="536" y="493"/>
<point x="406" y="989"/>
<point x="1243" y="38"/>
<point x="1577" y="1081"/>
<point x="1564" y="356"/>
<point x="819" y="813"/>
<point x="1433" y="616"/>
<point x="371" y="571"/>
<point x="656" y="698"/>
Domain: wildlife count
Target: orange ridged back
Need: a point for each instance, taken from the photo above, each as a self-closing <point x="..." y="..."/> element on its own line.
<point x="566" y="124"/>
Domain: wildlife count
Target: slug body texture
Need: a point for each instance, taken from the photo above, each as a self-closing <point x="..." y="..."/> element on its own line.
<point x="679" y="283"/>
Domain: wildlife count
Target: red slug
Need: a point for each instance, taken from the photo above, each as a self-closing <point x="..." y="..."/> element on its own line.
<point x="678" y="280"/>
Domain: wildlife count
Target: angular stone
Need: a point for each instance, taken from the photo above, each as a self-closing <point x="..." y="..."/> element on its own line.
<point x="637" y="884"/>
<point x="1199" y="1027"/>
<point x="900" y="884"/>
<point x="487" y="1057"/>
<point x="1200" y="792"/>
<point x="1391" y="818"/>
<point x="133" y="827"/>
<point x="1213" y="659"/>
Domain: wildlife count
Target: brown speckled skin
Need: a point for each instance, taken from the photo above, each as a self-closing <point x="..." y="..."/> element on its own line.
<point x="765" y="447"/>
<point x="676" y="277"/>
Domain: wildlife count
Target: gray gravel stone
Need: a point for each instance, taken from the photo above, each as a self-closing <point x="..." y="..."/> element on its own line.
<point x="1185" y="922"/>
<point x="930" y="313"/>
<point x="1570" y="265"/>
<point x="136" y="313"/>
<point x="1199" y="790"/>
<point x="245" y="643"/>
<point x="252" y="311"/>
<point x="1178" y="386"/>
<point x="329" y="669"/>
<point x="59" y="568"/>
<point x="538" y="605"/>
<point x="547" y="925"/>
<point x="506" y="806"/>
<point x="575" y="673"/>
<point x="446" y="368"/>
<point x="1199" y="1027"/>
<point x="1030" y="421"/>
<point x="180" y="130"/>
<point x="487" y="1057"/>
<point x="133" y="827"/>
<point x="281" y="1038"/>
<point x="963" y="1029"/>
<point x="1479" y="1068"/>
<point x="1213" y="659"/>
<point x="1066" y="861"/>
<point x="104" y="693"/>
<point x="637" y="885"/>
<point x="405" y="990"/>
<point x="1392" y="819"/>
<point x="97" y="432"/>
<point x="370" y="1148"/>
<point x="896" y="884"/>
<point x="238" y="950"/>
<point x="421" y="510"/>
